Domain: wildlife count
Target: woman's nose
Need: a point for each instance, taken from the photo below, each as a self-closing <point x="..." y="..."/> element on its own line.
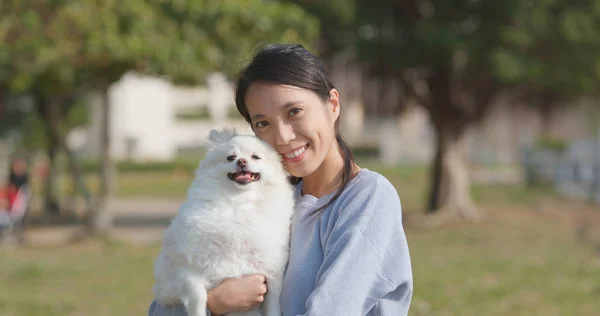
<point x="284" y="134"/>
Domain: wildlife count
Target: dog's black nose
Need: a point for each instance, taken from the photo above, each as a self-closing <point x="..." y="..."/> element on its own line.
<point x="242" y="162"/>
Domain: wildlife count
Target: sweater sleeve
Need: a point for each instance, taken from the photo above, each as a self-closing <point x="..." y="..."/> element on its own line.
<point x="366" y="259"/>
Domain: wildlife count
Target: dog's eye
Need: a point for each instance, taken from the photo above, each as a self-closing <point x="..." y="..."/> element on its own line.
<point x="231" y="158"/>
<point x="255" y="157"/>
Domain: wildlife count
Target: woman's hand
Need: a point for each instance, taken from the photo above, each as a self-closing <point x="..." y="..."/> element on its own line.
<point x="235" y="295"/>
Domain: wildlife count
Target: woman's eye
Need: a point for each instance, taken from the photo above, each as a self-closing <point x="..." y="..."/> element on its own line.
<point x="231" y="158"/>
<point x="255" y="157"/>
<point x="294" y="111"/>
<point x="261" y="124"/>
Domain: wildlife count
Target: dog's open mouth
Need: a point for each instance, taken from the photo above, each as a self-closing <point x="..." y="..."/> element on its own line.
<point x="244" y="177"/>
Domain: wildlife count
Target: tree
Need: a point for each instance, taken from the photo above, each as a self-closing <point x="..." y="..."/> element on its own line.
<point x="437" y="52"/>
<point x="551" y="54"/>
<point x="221" y="35"/>
<point x="57" y="51"/>
<point x="453" y="57"/>
<point x="440" y="53"/>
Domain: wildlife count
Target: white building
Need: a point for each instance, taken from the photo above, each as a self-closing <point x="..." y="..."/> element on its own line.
<point x="148" y="122"/>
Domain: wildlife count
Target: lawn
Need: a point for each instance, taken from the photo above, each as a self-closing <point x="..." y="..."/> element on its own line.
<point x="411" y="182"/>
<point x="524" y="258"/>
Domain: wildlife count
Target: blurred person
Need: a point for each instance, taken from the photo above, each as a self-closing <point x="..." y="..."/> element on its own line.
<point x="7" y="200"/>
<point x="4" y="200"/>
<point x="18" y="178"/>
<point x="348" y="251"/>
<point x="19" y="175"/>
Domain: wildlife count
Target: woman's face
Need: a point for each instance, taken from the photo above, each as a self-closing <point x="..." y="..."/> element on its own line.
<point x="294" y="121"/>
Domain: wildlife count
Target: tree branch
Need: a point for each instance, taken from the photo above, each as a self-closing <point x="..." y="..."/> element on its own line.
<point x="412" y="92"/>
<point x="484" y="93"/>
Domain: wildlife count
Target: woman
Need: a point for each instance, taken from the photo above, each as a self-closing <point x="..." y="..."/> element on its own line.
<point x="349" y="254"/>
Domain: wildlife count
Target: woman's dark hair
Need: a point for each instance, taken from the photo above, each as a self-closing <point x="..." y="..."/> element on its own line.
<point x="292" y="64"/>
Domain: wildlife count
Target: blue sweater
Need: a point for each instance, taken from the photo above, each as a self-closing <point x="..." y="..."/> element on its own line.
<point x="352" y="259"/>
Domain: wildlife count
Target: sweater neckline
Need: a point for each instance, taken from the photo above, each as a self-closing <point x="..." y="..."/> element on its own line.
<point x="312" y="201"/>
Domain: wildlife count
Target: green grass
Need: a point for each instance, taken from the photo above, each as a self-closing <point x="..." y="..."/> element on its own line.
<point x="504" y="268"/>
<point x="171" y="180"/>
<point x="94" y="279"/>
<point x="518" y="264"/>
<point x="412" y="183"/>
<point x="523" y="259"/>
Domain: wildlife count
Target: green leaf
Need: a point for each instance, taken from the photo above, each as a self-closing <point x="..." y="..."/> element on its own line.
<point x="508" y="66"/>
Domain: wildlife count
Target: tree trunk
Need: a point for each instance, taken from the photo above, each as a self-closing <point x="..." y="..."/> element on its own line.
<point x="547" y="105"/>
<point x="78" y="177"/>
<point x="595" y="185"/>
<point x="3" y="98"/>
<point x="107" y="167"/>
<point x="436" y="178"/>
<point x="52" y="119"/>
<point x="546" y="114"/>
<point x="100" y="220"/>
<point x="450" y="184"/>
<point x="51" y="206"/>
<point x="51" y="183"/>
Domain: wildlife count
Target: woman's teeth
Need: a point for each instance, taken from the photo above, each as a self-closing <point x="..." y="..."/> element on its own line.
<point x="296" y="153"/>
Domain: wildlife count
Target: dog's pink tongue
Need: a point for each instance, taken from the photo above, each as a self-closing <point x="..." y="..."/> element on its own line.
<point x="244" y="176"/>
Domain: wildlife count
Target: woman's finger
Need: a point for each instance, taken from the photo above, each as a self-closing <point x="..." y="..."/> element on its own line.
<point x="263" y="289"/>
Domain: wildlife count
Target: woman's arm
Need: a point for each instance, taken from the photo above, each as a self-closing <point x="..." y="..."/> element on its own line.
<point x="366" y="264"/>
<point x="231" y="295"/>
<point x="356" y="275"/>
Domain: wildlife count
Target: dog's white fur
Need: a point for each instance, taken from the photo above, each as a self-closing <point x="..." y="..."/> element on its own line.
<point x="227" y="230"/>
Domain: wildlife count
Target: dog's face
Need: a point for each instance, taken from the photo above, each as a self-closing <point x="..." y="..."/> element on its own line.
<point x="241" y="160"/>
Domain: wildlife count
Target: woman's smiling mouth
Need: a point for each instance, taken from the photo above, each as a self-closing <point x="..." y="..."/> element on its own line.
<point x="295" y="155"/>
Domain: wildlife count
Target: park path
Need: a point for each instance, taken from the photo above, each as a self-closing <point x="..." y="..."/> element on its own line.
<point x="138" y="221"/>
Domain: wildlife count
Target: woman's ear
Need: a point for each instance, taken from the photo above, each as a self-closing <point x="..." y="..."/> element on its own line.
<point x="334" y="101"/>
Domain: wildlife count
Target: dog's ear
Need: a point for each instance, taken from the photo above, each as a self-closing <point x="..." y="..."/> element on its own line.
<point x="216" y="137"/>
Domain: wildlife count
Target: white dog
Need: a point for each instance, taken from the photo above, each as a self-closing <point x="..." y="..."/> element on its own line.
<point x="235" y="221"/>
